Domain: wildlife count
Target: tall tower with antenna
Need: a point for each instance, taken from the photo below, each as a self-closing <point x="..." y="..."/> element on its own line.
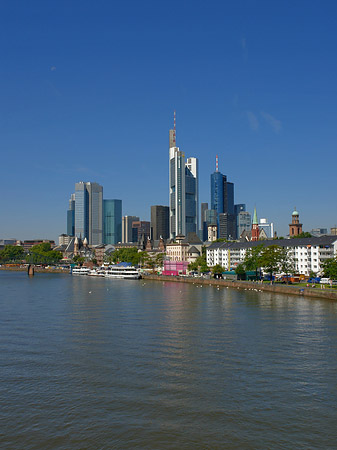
<point x="183" y="189"/>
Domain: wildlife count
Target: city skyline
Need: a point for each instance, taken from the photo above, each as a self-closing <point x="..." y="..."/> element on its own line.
<point x="82" y="99"/>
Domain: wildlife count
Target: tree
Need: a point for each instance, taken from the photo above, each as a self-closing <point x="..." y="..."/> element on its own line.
<point x="304" y="234"/>
<point x="43" y="254"/>
<point x="270" y="259"/>
<point x="217" y="270"/>
<point x="159" y="259"/>
<point x="252" y="259"/>
<point x="330" y="268"/>
<point x="199" y="263"/>
<point x="286" y="263"/>
<point x="129" y="255"/>
<point x="240" y="271"/>
<point x="12" y="253"/>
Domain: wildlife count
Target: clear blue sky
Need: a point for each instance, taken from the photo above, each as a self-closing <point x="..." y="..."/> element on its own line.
<point x="88" y="89"/>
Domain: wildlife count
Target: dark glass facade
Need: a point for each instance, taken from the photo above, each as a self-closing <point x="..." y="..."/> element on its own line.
<point x="112" y="221"/>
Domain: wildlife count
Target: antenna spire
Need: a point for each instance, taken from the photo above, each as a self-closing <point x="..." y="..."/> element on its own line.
<point x="174" y="127"/>
<point x="216" y="163"/>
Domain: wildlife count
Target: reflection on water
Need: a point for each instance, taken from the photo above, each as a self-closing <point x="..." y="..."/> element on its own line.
<point x="97" y="363"/>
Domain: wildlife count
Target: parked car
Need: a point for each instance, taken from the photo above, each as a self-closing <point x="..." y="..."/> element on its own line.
<point x="325" y="280"/>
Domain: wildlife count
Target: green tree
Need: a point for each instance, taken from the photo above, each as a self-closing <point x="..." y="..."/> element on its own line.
<point x="217" y="270"/>
<point x="159" y="259"/>
<point x="330" y="268"/>
<point x="12" y="253"/>
<point x="270" y="259"/>
<point x="200" y="263"/>
<point x="129" y="255"/>
<point x="240" y="271"/>
<point x="286" y="262"/>
<point x="304" y="234"/>
<point x="78" y="259"/>
<point x="43" y="254"/>
<point x="252" y="259"/>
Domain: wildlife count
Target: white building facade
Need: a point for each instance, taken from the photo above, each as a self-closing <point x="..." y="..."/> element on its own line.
<point x="307" y="254"/>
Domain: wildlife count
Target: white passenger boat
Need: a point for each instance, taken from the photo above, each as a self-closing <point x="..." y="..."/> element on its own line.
<point x="96" y="273"/>
<point x="80" y="271"/>
<point x="121" y="271"/>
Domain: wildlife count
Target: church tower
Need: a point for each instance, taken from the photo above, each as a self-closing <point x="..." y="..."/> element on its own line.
<point x="255" y="227"/>
<point x="295" y="227"/>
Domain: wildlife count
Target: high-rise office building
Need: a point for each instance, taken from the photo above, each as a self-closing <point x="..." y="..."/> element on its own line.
<point x="183" y="189"/>
<point x="240" y="207"/>
<point x="222" y="199"/>
<point x="160" y="222"/>
<point x="227" y="229"/>
<point x="127" y="228"/>
<point x="192" y="195"/>
<point x="112" y="221"/>
<point x="243" y="223"/>
<point x="89" y="212"/>
<point x="140" y="231"/>
<point x="203" y="233"/>
<point x="71" y="216"/>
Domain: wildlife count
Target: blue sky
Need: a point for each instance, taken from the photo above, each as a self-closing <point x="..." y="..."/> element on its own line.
<point x="88" y="90"/>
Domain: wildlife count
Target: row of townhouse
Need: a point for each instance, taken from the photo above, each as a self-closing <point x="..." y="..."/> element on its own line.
<point x="308" y="254"/>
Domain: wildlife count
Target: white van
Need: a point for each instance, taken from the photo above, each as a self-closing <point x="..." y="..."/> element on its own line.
<point x="325" y="280"/>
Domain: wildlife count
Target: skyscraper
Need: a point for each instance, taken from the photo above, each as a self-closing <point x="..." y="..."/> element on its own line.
<point x="140" y="231"/>
<point x="89" y="212"/>
<point x="112" y="221"/>
<point x="159" y="222"/>
<point x="222" y="200"/>
<point x="127" y="228"/>
<point x="71" y="216"/>
<point x="191" y="195"/>
<point x="183" y="189"/>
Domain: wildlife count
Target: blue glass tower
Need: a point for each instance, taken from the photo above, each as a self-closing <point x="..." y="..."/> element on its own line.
<point x="112" y="221"/>
<point x="222" y="201"/>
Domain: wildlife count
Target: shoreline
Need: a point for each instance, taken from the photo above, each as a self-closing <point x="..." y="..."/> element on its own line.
<point x="36" y="269"/>
<point x="277" y="289"/>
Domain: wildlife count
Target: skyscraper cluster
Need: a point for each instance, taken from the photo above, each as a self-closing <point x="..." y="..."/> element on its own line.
<point x="100" y="220"/>
<point x="90" y="216"/>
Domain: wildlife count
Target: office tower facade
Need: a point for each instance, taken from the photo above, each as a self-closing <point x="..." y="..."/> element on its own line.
<point x="177" y="192"/>
<point x="267" y="227"/>
<point x="71" y="216"/>
<point x="192" y="195"/>
<point x="227" y="229"/>
<point x="243" y="223"/>
<point x="160" y="222"/>
<point x="112" y="221"/>
<point x="89" y="212"/>
<point x="127" y="228"/>
<point x="183" y="190"/>
<point x="222" y="200"/>
<point x="203" y="234"/>
<point x="140" y="231"/>
<point x="240" y="207"/>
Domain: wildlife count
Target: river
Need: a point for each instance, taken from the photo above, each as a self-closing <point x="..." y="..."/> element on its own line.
<point x="89" y="363"/>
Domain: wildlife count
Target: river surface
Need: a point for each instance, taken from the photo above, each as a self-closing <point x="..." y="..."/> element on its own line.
<point x="113" y="364"/>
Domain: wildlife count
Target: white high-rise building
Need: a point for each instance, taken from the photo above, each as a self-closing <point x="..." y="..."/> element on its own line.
<point x="127" y="228"/>
<point x="183" y="188"/>
<point x="89" y="212"/>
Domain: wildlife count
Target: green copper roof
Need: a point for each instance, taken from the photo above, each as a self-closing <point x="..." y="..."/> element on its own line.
<point x="295" y="213"/>
<point x="255" y="222"/>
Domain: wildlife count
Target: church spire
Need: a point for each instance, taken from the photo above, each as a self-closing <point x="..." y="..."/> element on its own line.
<point x="255" y="221"/>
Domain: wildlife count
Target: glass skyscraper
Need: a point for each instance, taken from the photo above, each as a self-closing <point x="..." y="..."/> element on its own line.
<point x="112" y="221"/>
<point x="222" y="201"/>
<point x="183" y="188"/>
<point x="71" y="216"/>
<point x="89" y="212"/>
